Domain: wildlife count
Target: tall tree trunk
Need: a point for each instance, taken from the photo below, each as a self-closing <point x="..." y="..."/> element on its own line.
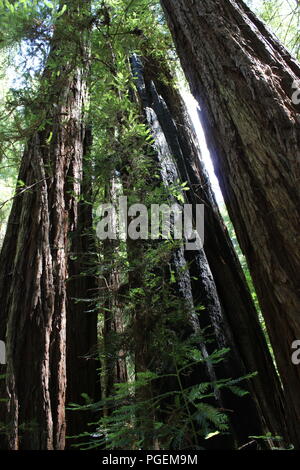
<point x="242" y="78"/>
<point x="33" y="262"/>
<point x="82" y="310"/>
<point x="224" y="264"/>
<point x="174" y="139"/>
<point x="113" y="303"/>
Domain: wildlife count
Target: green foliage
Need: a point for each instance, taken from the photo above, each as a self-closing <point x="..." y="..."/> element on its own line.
<point x="187" y="420"/>
<point x="283" y="17"/>
<point x="248" y="277"/>
<point x="161" y="402"/>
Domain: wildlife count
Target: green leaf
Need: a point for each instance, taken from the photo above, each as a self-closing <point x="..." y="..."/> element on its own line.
<point x="172" y="278"/>
<point x="49" y="4"/>
<point x="49" y="138"/>
<point x="62" y="11"/>
<point x="10" y="6"/>
<point x="212" y="434"/>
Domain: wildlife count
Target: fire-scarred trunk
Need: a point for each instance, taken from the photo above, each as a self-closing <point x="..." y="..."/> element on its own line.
<point x="175" y="144"/>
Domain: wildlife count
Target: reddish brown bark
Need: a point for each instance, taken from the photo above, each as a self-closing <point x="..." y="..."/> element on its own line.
<point x="242" y="78"/>
<point x="83" y="364"/>
<point x="33" y="263"/>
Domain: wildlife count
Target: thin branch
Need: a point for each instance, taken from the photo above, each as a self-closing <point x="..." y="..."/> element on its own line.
<point x="22" y="191"/>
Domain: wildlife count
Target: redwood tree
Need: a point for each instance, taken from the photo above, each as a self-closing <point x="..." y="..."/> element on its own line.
<point x="238" y="316"/>
<point x="243" y="80"/>
<point x="235" y="298"/>
<point x="34" y="256"/>
<point x="82" y="355"/>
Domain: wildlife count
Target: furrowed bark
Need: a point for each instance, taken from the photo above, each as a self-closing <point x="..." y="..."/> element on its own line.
<point x="174" y="139"/>
<point x="113" y="316"/>
<point x="82" y="311"/>
<point x="33" y="262"/>
<point x="243" y="80"/>
<point x="230" y="281"/>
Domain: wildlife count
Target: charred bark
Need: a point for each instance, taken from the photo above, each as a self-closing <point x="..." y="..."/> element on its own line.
<point x="235" y="317"/>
